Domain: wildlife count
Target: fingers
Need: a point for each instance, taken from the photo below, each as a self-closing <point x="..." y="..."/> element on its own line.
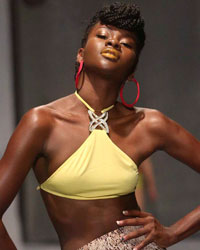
<point x="138" y="218"/>
<point x="144" y="243"/>
<point x="151" y="228"/>
<point x="136" y="233"/>
<point x="132" y="222"/>
<point x="136" y="213"/>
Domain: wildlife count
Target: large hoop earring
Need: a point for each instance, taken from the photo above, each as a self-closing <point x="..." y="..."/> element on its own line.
<point x="138" y="94"/>
<point x="78" y="73"/>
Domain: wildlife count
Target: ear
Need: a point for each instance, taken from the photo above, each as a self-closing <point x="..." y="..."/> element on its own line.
<point x="80" y="55"/>
<point x="130" y="77"/>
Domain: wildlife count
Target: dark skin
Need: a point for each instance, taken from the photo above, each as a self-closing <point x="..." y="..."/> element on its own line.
<point x="48" y="135"/>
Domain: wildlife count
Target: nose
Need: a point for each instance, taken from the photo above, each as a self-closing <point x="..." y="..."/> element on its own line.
<point x="113" y="43"/>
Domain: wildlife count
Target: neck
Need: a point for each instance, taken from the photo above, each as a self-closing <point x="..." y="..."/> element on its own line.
<point x="99" y="93"/>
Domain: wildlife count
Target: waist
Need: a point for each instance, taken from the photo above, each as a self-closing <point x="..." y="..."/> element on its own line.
<point x="81" y="220"/>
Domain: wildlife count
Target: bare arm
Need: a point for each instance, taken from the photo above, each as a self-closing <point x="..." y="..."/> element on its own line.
<point x="26" y="143"/>
<point x="147" y="170"/>
<point x="155" y="232"/>
<point x="146" y="174"/>
<point x="180" y="144"/>
<point x="5" y="240"/>
<point x="187" y="225"/>
<point x="167" y="135"/>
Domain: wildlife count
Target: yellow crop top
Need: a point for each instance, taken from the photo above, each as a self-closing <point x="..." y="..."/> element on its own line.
<point x="98" y="169"/>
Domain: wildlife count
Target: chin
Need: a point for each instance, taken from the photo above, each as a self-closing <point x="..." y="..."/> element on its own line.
<point x="109" y="65"/>
<point x="104" y="68"/>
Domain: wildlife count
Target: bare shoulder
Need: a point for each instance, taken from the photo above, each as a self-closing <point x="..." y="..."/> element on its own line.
<point x="156" y="123"/>
<point x="159" y="127"/>
<point x="154" y="119"/>
<point x="151" y="119"/>
<point x="63" y="105"/>
<point x="146" y="118"/>
<point x="38" y="118"/>
<point x="31" y="134"/>
<point x="42" y="119"/>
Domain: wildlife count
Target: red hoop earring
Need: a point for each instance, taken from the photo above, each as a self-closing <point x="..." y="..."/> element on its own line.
<point x="78" y="73"/>
<point x="138" y="94"/>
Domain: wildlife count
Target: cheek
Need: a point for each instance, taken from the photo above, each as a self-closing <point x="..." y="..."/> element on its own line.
<point x="131" y="61"/>
<point x="132" y="56"/>
<point x="93" y="47"/>
<point x="92" y="51"/>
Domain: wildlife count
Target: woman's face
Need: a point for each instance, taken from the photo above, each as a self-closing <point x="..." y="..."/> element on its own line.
<point x="110" y="50"/>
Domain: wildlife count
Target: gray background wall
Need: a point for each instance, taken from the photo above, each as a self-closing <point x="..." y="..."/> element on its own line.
<point x="47" y="40"/>
<point x="7" y="106"/>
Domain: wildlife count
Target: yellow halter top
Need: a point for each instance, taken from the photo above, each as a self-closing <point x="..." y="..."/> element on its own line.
<point x="98" y="169"/>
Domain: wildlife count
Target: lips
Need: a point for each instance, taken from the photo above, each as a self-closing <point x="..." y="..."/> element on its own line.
<point x="111" y="54"/>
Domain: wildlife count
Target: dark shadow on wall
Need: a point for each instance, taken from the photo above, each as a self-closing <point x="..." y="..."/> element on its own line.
<point x="47" y="36"/>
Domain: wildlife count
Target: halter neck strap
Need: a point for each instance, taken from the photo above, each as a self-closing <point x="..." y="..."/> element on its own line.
<point x="89" y="107"/>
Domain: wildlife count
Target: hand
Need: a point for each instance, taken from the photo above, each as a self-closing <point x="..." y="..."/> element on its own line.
<point x="152" y="229"/>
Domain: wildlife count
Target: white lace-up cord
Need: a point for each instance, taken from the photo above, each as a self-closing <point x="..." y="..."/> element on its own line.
<point x="96" y="121"/>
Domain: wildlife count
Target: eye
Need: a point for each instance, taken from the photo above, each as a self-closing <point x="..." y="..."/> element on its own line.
<point x="101" y="36"/>
<point x="127" y="45"/>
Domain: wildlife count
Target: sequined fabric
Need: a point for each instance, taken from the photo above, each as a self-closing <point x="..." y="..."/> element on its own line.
<point x="113" y="241"/>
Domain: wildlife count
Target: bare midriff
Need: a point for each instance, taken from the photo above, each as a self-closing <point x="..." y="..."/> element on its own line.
<point x="78" y="222"/>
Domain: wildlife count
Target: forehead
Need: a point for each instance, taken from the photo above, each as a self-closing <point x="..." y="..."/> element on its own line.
<point x="111" y="28"/>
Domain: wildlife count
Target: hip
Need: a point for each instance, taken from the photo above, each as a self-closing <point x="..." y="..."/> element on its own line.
<point x="113" y="240"/>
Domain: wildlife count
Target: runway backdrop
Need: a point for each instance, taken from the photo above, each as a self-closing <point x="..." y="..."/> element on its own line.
<point x="47" y="36"/>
